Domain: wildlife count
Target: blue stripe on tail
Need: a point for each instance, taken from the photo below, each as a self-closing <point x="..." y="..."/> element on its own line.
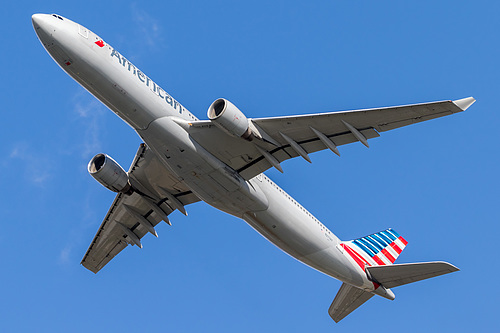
<point x="363" y="247"/>
<point x="369" y="245"/>
<point x="385" y="238"/>
<point x="388" y="234"/>
<point x="374" y="243"/>
<point x="393" y="232"/>
<point x="380" y="240"/>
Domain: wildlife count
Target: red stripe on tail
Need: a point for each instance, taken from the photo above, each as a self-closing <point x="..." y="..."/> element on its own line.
<point x="388" y="255"/>
<point x="357" y="258"/>
<point x="377" y="260"/>
<point x="396" y="248"/>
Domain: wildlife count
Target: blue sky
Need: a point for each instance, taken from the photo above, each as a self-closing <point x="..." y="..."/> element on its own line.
<point x="436" y="183"/>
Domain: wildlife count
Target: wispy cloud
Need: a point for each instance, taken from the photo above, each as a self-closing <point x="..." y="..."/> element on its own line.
<point x="38" y="161"/>
<point x="90" y="114"/>
<point x="85" y="140"/>
<point x="64" y="255"/>
<point x="148" y="28"/>
<point x="37" y="167"/>
<point x="79" y="236"/>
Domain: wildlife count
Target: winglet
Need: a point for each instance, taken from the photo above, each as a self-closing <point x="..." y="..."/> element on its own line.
<point x="464" y="103"/>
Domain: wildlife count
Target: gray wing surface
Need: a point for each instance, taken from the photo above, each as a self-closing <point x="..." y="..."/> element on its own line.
<point x="338" y="127"/>
<point x="123" y="224"/>
<point x="391" y="276"/>
<point x="348" y="299"/>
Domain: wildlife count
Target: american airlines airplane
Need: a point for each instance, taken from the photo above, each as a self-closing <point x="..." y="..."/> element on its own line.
<point x="221" y="161"/>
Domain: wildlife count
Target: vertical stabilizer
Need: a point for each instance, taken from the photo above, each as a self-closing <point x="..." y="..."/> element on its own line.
<point x="381" y="248"/>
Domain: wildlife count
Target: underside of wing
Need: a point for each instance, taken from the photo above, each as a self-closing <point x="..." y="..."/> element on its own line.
<point x="131" y="217"/>
<point x="293" y="136"/>
<point x="391" y="276"/>
<point x="348" y="299"/>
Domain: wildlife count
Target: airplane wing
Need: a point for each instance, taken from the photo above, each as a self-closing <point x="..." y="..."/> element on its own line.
<point x="131" y="217"/>
<point x="292" y="136"/>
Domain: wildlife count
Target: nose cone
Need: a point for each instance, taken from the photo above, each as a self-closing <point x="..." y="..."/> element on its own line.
<point x="37" y="20"/>
<point x="43" y="25"/>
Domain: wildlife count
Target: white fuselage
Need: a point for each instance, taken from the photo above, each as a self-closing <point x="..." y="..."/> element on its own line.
<point x="161" y="122"/>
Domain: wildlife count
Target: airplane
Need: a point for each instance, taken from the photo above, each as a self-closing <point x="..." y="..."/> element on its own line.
<point x="222" y="160"/>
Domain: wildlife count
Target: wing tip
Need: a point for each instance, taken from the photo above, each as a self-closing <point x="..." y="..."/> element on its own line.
<point x="89" y="267"/>
<point x="452" y="268"/>
<point x="464" y="103"/>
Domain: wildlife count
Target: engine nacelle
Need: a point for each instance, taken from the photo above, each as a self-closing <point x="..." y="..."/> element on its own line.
<point x="229" y="118"/>
<point x="109" y="173"/>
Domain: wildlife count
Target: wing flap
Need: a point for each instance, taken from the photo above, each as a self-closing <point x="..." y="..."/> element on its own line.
<point x="101" y="252"/>
<point x="148" y="176"/>
<point x="111" y="238"/>
<point x="285" y="152"/>
<point x="391" y="276"/>
<point x="348" y="299"/>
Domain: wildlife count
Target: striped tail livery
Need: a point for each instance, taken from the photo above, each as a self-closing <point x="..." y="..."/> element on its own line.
<point x="373" y="257"/>
<point x="381" y="248"/>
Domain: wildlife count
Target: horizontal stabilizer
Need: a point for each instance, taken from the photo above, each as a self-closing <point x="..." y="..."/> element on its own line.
<point x="391" y="276"/>
<point x="348" y="299"/>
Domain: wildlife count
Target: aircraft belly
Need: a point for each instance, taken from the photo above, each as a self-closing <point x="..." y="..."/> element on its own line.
<point x="268" y="209"/>
<point x="293" y="230"/>
<point x="305" y="247"/>
<point x="205" y="175"/>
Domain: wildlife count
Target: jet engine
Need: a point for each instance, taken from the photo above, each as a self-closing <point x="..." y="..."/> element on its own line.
<point x="230" y="119"/>
<point x="109" y="173"/>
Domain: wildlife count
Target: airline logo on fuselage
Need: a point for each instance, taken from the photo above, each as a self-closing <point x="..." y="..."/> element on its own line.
<point x="156" y="89"/>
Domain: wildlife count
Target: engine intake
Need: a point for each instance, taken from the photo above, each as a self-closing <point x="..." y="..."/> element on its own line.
<point x="110" y="174"/>
<point x="230" y="119"/>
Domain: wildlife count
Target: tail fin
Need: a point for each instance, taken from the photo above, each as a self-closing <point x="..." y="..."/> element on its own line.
<point x="349" y="298"/>
<point x="375" y="254"/>
<point x="381" y="248"/>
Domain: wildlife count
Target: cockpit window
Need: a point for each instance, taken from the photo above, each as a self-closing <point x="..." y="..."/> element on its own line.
<point x="57" y="16"/>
